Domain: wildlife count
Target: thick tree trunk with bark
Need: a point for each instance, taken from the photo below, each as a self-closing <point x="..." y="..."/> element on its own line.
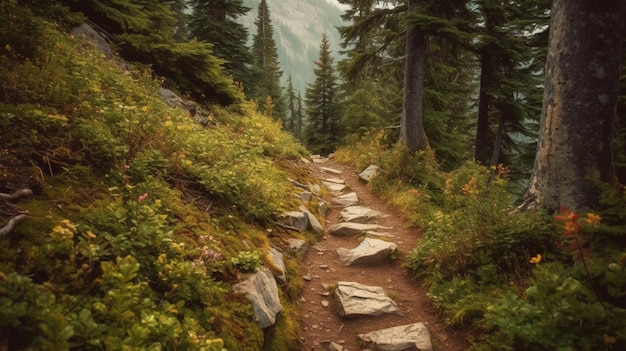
<point x="578" y="113"/>
<point x="412" y="131"/>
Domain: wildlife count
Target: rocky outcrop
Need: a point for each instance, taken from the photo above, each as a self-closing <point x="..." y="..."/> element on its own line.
<point x="405" y="337"/>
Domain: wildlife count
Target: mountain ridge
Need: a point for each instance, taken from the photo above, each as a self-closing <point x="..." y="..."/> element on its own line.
<point x="298" y="28"/>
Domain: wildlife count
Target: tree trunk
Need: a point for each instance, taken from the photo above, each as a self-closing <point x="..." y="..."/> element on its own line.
<point x="482" y="124"/>
<point x="412" y="131"/>
<point x="579" y="104"/>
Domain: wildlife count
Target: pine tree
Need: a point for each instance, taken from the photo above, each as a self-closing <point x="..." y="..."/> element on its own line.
<point x="266" y="68"/>
<point x="215" y="21"/>
<point x="322" y="106"/>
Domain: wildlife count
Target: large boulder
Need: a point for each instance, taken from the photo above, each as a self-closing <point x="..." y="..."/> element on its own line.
<point x="405" y="337"/>
<point x="355" y="300"/>
<point x="370" y="252"/>
<point x="261" y="289"/>
<point x="95" y="37"/>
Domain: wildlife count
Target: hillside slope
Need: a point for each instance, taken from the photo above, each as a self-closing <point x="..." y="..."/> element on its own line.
<point x="124" y="223"/>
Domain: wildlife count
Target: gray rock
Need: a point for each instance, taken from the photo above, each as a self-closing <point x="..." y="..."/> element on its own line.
<point x="330" y="170"/>
<point x="298" y="246"/>
<point x="350" y="229"/>
<point x="276" y="259"/>
<point x="369" y="173"/>
<point x="334" y="187"/>
<point x="315" y="189"/>
<point x="370" y="252"/>
<point x="314" y="224"/>
<point x="296" y="219"/>
<point x="349" y="199"/>
<point x="323" y="208"/>
<point x="335" y="180"/>
<point x="306" y="196"/>
<point x="261" y="289"/>
<point x="318" y="159"/>
<point x="359" y="214"/>
<point x="405" y="337"/>
<point x="97" y="39"/>
<point x="354" y="300"/>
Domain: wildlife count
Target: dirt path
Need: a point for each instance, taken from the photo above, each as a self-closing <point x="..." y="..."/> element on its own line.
<point x="320" y="325"/>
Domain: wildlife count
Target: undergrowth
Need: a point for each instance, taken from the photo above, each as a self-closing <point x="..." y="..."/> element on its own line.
<point x="142" y="219"/>
<point x="514" y="281"/>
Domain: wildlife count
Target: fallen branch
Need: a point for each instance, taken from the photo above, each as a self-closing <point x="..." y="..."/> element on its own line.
<point x="11" y="224"/>
<point x="17" y="194"/>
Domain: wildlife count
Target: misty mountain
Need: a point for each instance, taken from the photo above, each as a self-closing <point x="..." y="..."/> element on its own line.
<point x="298" y="28"/>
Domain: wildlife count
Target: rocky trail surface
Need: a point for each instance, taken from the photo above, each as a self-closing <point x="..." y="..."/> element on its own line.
<point x="357" y="295"/>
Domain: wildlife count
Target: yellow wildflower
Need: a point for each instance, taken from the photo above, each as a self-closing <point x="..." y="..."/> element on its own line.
<point x="593" y="218"/>
<point x="536" y="259"/>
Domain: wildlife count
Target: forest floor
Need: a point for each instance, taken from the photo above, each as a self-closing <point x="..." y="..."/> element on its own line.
<point x="321" y="325"/>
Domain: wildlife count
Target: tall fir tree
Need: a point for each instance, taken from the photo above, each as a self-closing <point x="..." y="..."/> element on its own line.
<point x="322" y="133"/>
<point x="215" y="21"/>
<point x="266" y="89"/>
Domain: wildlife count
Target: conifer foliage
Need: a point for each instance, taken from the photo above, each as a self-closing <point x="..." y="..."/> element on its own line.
<point x="146" y="32"/>
<point x="215" y="21"/>
<point x="266" y="87"/>
<point x="322" y="105"/>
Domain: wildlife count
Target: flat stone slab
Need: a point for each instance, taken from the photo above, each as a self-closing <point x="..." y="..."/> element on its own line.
<point x="359" y="214"/>
<point x="335" y="180"/>
<point x="330" y="170"/>
<point x="334" y="187"/>
<point x="370" y="252"/>
<point x="350" y="229"/>
<point x="355" y="300"/>
<point x="349" y="199"/>
<point x="319" y="159"/>
<point x="405" y="337"/>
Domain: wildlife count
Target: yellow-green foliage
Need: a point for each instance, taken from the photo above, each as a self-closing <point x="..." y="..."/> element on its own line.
<point x="499" y="272"/>
<point x="142" y="218"/>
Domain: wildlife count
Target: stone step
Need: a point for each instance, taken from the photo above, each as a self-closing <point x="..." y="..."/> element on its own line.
<point x="370" y="252"/>
<point x="357" y="300"/>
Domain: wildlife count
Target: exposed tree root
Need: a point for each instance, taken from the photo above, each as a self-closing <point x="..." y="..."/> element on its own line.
<point x="8" y="228"/>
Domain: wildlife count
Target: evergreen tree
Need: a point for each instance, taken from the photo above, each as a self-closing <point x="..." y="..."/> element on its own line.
<point x="215" y="21"/>
<point x="322" y="106"/>
<point x="289" y="120"/>
<point x="266" y="87"/>
<point x="371" y="69"/>
<point x="509" y="75"/>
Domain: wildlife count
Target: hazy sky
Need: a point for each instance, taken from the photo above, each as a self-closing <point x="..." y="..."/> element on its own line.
<point x="336" y="3"/>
